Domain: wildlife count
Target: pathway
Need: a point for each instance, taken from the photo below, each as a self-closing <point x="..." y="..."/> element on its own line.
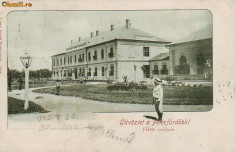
<point x="56" y="103"/>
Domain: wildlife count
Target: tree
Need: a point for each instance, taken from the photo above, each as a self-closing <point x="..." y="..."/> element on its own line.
<point x="33" y="74"/>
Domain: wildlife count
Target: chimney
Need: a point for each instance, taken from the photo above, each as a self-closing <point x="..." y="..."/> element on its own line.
<point x="91" y="34"/>
<point x="128" y="24"/>
<point x="71" y="42"/>
<point x="112" y="27"/>
<point x="97" y="33"/>
<point x="79" y="39"/>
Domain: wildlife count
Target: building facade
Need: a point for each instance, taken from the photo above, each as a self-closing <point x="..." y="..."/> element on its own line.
<point x="160" y="65"/>
<point x="185" y="60"/>
<point x="191" y="57"/>
<point x="110" y="55"/>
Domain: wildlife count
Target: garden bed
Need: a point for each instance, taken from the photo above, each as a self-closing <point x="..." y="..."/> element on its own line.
<point x="173" y="95"/>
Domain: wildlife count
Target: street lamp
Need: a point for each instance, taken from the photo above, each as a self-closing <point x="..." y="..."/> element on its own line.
<point x="26" y="61"/>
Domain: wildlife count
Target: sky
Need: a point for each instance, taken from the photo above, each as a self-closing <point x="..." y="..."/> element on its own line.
<point x="44" y="33"/>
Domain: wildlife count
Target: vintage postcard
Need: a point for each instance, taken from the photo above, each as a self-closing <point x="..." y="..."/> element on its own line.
<point x="80" y="78"/>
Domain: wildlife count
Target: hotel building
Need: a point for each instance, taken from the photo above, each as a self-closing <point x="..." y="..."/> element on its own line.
<point x="109" y="55"/>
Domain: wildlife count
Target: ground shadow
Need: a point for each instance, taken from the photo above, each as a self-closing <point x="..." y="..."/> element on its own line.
<point x="151" y="117"/>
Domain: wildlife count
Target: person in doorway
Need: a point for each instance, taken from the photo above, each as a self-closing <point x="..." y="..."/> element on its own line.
<point x="158" y="97"/>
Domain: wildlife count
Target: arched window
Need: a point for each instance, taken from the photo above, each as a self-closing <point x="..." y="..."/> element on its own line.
<point x="95" y="73"/>
<point x="102" y="53"/>
<point x="183" y="60"/>
<point x="111" y="52"/>
<point x="184" y="67"/>
<point x="82" y="56"/>
<point x="89" y="56"/>
<point x="95" y="55"/>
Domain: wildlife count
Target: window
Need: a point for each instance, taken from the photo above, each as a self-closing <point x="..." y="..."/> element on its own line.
<point x="75" y="70"/>
<point x="164" y="70"/>
<point x="146" y="71"/>
<point x="57" y="62"/>
<point x="80" y="72"/>
<point x="155" y="70"/>
<point x="68" y="60"/>
<point x="95" y="55"/>
<point x="64" y="73"/>
<point x="89" y="72"/>
<point x="60" y="61"/>
<point x="83" y="72"/>
<point x="95" y="73"/>
<point x="102" y="71"/>
<point x="71" y="59"/>
<point x="183" y="68"/>
<point x="64" y="60"/>
<point x="70" y="72"/>
<point x="75" y="59"/>
<point x="102" y="54"/>
<point x="146" y="51"/>
<point x="183" y="60"/>
<point x="201" y="64"/>
<point x="82" y="56"/>
<point x="111" y="52"/>
<point x="89" y="56"/>
<point x="111" y="72"/>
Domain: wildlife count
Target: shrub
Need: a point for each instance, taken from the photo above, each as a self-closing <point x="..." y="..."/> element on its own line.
<point x="126" y="86"/>
<point x="168" y="79"/>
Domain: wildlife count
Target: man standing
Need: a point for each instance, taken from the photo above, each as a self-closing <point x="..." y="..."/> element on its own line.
<point x="158" y="97"/>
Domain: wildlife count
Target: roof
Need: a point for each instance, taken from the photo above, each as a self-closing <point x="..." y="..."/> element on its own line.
<point x="161" y="56"/>
<point x="121" y="33"/>
<point x="118" y="33"/>
<point x="188" y="42"/>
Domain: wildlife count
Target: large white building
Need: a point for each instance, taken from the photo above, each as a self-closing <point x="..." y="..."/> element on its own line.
<point x="185" y="60"/>
<point x="109" y="55"/>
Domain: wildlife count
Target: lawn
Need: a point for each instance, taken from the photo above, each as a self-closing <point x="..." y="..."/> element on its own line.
<point x="16" y="106"/>
<point x="15" y="86"/>
<point x="173" y="95"/>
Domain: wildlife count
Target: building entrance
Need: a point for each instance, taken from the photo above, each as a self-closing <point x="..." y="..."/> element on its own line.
<point x="201" y="61"/>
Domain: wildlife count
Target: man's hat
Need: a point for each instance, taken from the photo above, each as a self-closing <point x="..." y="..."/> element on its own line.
<point x="157" y="80"/>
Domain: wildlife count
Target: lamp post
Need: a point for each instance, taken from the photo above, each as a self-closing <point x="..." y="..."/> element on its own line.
<point x="26" y="61"/>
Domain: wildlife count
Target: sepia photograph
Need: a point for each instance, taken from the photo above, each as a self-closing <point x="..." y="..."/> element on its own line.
<point x="109" y="62"/>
